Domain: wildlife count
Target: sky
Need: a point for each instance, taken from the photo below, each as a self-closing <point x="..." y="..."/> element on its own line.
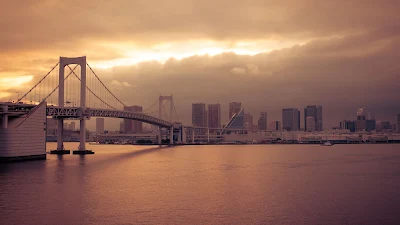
<point x="269" y="55"/>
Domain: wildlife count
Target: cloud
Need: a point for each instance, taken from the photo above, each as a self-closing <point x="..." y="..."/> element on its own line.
<point x="341" y="54"/>
<point x="238" y="70"/>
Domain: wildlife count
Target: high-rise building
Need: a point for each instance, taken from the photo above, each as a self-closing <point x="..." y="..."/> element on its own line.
<point x="131" y="126"/>
<point x="361" y="122"/>
<point x="383" y="125"/>
<point x="247" y="121"/>
<point x="234" y="107"/>
<point x="291" y="119"/>
<point x="51" y="126"/>
<point x="310" y="124"/>
<point x="99" y="125"/>
<point x="214" y="115"/>
<point x="262" y="121"/>
<point x="199" y="114"/>
<point x="348" y="125"/>
<point x="398" y="119"/>
<point x="315" y="112"/>
<point x="275" y="126"/>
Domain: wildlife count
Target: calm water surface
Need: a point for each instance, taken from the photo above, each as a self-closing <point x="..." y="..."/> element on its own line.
<point x="242" y="184"/>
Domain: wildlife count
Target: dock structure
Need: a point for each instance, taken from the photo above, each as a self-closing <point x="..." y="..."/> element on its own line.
<point x="22" y="135"/>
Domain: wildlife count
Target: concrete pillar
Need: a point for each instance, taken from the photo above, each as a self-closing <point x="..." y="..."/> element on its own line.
<point x="208" y="135"/>
<point x="82" y="134"/>
<point x="159" y="136"/>
<point x="180" y="135"/>
<point x="60" y="131"/>
<point x="4" y="123"/>
<point x="171" y="138"/>
<point x="183" y="135"/>
<point x="192" y="135"/>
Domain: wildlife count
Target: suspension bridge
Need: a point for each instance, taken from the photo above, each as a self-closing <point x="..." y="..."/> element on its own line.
<point x="72" y="90"/>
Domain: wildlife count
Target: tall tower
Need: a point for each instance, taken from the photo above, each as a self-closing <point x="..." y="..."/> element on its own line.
<point x="161" y="107"/>
<point x="291" y="119"/>
<point x="214" y="116"/>
<point x="262" y="121"/>
<point x="234" y="107"/>
<point x="199" y="115"/>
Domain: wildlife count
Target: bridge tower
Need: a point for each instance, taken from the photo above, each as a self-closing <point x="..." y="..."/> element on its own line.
<point x="64" y="61"/>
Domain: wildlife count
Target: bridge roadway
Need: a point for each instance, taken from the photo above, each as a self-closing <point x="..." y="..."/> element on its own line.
<point x="78" y="112"/>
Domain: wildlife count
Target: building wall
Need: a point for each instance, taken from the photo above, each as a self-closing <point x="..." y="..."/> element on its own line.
<point x="291" y="119"/>
<point x="214" y="115"/>
<point x="262" y="121"/>
<point x="234" y="107"/>
<point x="132" y="126"/>
<point x="310" y="124"/>
<point x="25" y="136"/>
<point x="247" y="121"/>
<point x="199" y="114"/>
<point x="99" y="125"/>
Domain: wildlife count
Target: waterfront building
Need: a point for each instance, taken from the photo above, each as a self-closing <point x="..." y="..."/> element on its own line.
<point x="247" y="121"/>
<point x="262" y="121"/>
<point x="316" y="113"/>
<point x="234" y="107"/>
<point x="199" y="115"/>
<point x="310" y="124"/>
<point x="214" y="115"/>
<point x="237" y="121"/>
<point x="291" y="119"/>
<point x="348" y="125"/>
<point x="99" y="125"/>
<point x="132" y="126"/>
<point x="275" y="126"/>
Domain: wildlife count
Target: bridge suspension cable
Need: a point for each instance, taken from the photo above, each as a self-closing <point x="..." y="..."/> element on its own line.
<point x="93" y="92"/>
<point x="105" y="85"/>
<point x="38" y="83"/>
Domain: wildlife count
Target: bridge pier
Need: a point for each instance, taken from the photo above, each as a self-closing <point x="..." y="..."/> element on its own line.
<point x="82" y="140"/>
<point x="60" y="139"/>
<point x="159" y="136"/>
<point x="4" y="122"/>
<point x="171" y="138"/>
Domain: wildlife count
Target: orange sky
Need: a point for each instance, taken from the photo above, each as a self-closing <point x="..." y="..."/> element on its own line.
<point x="287" y="54"/>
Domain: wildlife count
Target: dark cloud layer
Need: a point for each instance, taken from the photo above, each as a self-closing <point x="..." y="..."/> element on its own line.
<point x="335" y="73"/>
<point x="46" y="24"/>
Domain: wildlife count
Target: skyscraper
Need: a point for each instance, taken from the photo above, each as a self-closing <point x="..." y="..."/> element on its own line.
<point x="131" y="126"/>
<point x="214" y="115"/>
<point x="315" y="112"/>
<point x="275" y="126"/>
<point x="199" y="114"/>
<point x="262" y="121"/>
<point x="247" y="121"/>
<point x="398" y="118"/>
<point x="234" y="107"/>
<point x="100" y="125"/>
<point x="291" y="119"/>
<point x="310" y="124"/>
<point x="348" y="125"/>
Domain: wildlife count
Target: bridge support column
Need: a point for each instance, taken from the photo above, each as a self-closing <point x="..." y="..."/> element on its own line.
<point x="208" y="135"/>
<point x="82" y="140"/>
<point x="4" y="122"/>
<point x="60" y="139"/>
<point x="171" y="133"/>
<point x="159" y="136"/>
